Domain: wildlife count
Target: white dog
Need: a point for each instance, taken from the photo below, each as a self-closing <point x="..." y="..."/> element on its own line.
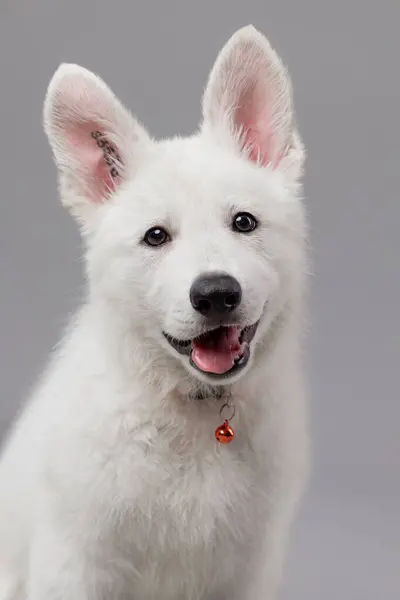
<point x="113" y="484"/>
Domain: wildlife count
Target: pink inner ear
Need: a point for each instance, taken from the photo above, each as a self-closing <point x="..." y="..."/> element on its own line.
<point x="98" y="157"/>
<point x="253" y="118"/>
<point x="254" y="140"/>
<point x="254" y="122"/>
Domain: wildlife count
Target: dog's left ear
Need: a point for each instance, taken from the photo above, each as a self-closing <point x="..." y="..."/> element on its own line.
<point x="248" y="102"/>
<point x="96" y="142"/>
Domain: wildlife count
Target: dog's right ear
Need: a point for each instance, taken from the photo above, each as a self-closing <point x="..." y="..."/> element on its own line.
<point x="96" y="142"/>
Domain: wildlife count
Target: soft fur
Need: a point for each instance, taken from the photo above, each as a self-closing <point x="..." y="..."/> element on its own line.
<point x="113" y="486"/>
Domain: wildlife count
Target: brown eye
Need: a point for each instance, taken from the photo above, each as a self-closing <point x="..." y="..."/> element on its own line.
<point x="156" y="236"/>
<point x="244" y="223"/>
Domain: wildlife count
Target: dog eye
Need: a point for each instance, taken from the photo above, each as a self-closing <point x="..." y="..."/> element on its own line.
<point x="156" y="236"/>
<point x="244" y="223"/>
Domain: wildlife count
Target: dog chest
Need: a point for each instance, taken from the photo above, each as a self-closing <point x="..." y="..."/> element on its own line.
<point x="193" y="516"/>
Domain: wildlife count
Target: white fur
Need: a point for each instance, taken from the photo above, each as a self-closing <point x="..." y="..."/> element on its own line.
<point x="112" y="483"/>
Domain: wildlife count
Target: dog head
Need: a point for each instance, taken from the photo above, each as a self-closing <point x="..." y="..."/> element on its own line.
<point x="196" y="242"/>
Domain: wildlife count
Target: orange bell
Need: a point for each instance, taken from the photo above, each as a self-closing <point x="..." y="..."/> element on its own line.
<point x="224" y="433"/>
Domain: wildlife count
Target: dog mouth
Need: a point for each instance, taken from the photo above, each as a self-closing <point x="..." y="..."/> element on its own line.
<point x="220" y="352"/>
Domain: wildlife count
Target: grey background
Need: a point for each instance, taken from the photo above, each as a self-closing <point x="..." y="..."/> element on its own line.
<point x="343" y="57"/>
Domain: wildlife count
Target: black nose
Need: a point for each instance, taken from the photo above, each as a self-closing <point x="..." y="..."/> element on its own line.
<point x="215" y="294"/>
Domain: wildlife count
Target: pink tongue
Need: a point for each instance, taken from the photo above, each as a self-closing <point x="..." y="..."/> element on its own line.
<point x="218" y="357"/>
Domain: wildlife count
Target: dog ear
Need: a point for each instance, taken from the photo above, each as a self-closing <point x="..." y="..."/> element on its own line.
<point x="248" y="100"/>
<point x="95" y="141"/>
